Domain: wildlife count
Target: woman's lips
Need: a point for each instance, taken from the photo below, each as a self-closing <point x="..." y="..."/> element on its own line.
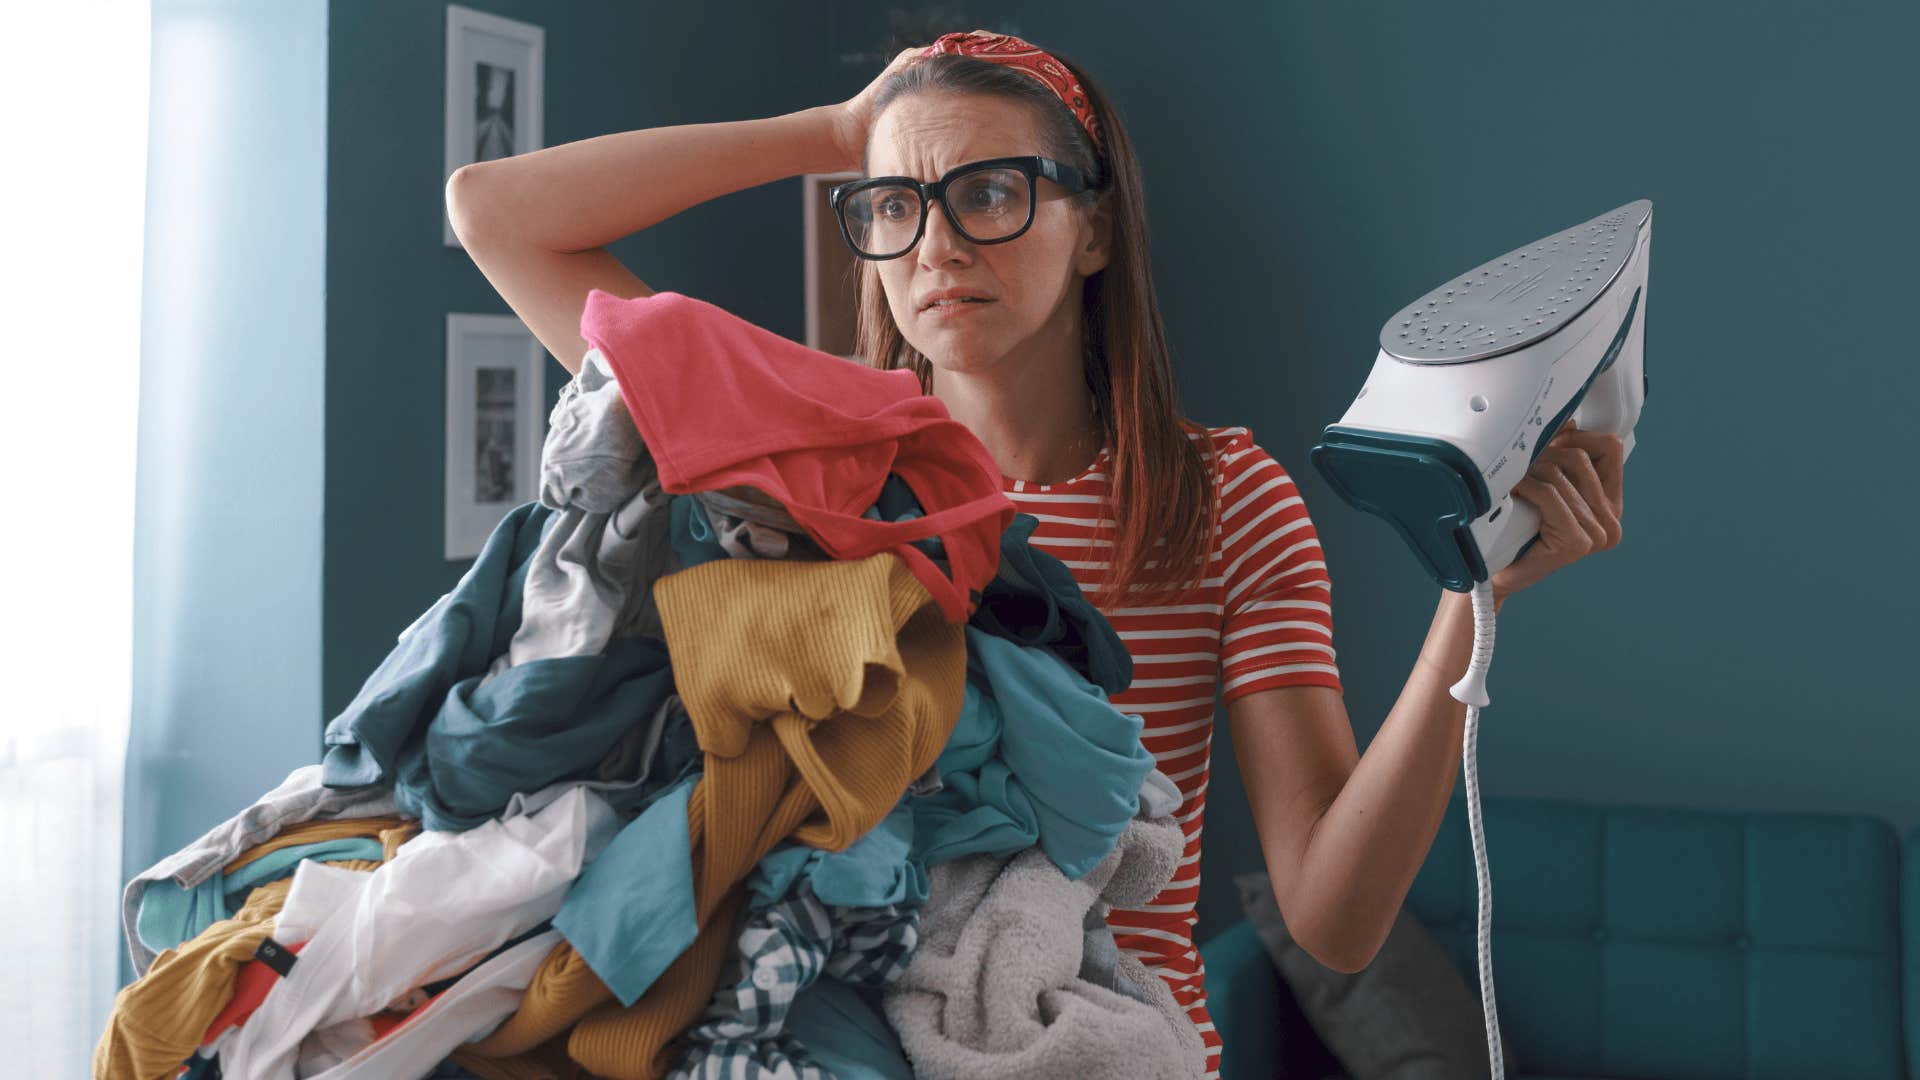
<point x="952" y="310"/>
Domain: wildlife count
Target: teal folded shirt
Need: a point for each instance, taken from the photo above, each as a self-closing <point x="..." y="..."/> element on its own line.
<point x="1066" y="776"/>
<point x="456" y="745"/>
<point x="630" y="913"/>
<point x="874" y="871"/>
<point x="844" y="1028"/>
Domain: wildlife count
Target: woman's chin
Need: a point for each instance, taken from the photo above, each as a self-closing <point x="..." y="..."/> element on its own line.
<point x="960" y="359"/>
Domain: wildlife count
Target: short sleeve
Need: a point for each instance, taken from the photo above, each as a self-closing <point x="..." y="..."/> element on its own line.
<point x="1277" y="614"/>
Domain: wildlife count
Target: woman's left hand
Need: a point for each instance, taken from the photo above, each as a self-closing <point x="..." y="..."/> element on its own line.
<point x="1575" y="484"/>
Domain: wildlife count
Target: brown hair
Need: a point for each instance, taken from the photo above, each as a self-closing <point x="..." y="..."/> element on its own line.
<point x="1160" y="475"/>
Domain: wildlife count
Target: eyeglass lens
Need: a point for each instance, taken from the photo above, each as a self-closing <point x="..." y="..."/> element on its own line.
<point x="987" y="205"/>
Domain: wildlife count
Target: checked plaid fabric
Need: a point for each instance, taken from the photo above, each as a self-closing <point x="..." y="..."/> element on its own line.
<point x="780" y="951"/>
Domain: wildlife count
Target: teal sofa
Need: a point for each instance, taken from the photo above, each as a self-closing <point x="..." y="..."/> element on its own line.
<point x="1647" y="942"/>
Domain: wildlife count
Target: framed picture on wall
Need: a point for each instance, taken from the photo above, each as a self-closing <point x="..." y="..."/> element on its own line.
<point x="496" y="92"/>
<point x="496" y="425"/>
<point x="830" y="269"/>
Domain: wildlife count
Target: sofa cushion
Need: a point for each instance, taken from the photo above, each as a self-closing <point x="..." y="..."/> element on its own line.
<point x="1658" y="941"/>
<point x="1407" y="1014"/>
<point x="1263" y="1033"/>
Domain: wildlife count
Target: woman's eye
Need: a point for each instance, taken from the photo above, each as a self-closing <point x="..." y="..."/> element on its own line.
<point x="989" y="196"/>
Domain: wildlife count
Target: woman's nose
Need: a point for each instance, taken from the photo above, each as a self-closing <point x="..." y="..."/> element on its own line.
<point x="940" y="240"/>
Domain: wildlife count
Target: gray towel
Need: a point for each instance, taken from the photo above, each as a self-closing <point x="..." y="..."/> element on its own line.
<point x="594" y="457"/>
<point x="995" y="988"/>
<point x="591" y="578"/>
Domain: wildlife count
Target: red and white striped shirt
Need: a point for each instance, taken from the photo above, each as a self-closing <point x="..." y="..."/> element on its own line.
<point x="1262" y="619"/>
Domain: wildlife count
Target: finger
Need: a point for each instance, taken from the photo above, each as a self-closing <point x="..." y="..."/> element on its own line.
<point x="1593" y="492"/>
<point x="1609" y="453"/>
<point x="1558" y="527"/>
<point x="1578" y="467"/>
<point x="1583" y="515"/>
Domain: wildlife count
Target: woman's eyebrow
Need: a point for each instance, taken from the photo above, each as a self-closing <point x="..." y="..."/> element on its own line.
<point x="872" y="173"/>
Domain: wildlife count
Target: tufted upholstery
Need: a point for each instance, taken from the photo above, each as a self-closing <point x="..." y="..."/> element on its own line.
<point x="1656" y="942"/>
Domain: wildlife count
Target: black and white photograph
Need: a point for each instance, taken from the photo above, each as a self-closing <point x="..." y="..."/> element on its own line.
<point x="495" y="92"/>
<point x="495" y="425"/>
<point x="830" y="272"/>
<point x="493" y="435"/>
<point x="492" y="112"/>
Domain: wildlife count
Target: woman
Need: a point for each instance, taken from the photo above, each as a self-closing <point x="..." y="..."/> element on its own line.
<point x="1192" y="539"/>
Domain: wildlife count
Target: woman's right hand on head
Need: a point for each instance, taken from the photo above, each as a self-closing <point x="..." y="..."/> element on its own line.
<point x="855" y="118"/>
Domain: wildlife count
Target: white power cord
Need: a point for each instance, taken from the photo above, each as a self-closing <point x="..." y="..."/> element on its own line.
<point x="1472" y="689"/>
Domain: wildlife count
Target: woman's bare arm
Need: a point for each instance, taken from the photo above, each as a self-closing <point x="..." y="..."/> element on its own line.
<point x="1344" y="835"/>
<point x="536" y="223"/>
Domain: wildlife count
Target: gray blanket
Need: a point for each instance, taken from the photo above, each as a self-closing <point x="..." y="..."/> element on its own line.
<point x="996" y="988"/>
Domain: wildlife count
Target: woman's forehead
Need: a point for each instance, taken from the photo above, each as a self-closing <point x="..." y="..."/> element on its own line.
<point x="926" y="135"/>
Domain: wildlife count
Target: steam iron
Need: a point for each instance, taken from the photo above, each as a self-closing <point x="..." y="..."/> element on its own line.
<point x="1472" y="381"/>
<point x="1474" y="378"/>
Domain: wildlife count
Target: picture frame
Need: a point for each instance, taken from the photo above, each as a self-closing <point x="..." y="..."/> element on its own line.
<point x="496" y="425"/>
<point x="830" y="270"/>
<point x="495" y="92"/>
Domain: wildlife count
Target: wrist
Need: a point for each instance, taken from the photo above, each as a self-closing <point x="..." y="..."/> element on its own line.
<point x="1465" y="599"/>
<point x="833" y="120"/>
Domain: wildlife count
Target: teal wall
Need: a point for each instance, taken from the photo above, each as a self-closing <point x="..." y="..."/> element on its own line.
<point x="226" y="575"/>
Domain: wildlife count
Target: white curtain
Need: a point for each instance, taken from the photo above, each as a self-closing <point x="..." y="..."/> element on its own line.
<point x="71" y="197"/>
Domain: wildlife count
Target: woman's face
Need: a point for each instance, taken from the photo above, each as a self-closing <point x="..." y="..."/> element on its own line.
<point x="1027" y="278"/>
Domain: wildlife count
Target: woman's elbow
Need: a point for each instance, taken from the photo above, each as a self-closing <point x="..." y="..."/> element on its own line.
<point x="1346" y="962"/>
<point x="466" y="207"/>
<point x="1333" y="945"/>
<point x="1345" y="958"/>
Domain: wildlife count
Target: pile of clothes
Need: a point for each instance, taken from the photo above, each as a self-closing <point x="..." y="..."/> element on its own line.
<point x="761" y="744"/>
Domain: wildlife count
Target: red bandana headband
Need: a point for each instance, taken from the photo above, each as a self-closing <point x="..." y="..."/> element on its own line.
<point x="1025" y="57"/>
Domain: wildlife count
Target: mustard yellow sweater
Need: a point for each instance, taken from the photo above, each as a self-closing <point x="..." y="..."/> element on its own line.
<point x="818" y="691"/>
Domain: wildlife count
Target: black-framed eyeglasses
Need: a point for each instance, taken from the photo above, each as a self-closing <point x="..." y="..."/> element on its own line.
<point x="988" y="202"/>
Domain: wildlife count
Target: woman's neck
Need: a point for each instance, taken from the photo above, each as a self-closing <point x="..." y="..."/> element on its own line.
<point x="1042" y="429"/>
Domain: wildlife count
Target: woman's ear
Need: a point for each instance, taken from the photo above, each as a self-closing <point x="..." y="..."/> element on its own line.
<point x="1096" y="239"/>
